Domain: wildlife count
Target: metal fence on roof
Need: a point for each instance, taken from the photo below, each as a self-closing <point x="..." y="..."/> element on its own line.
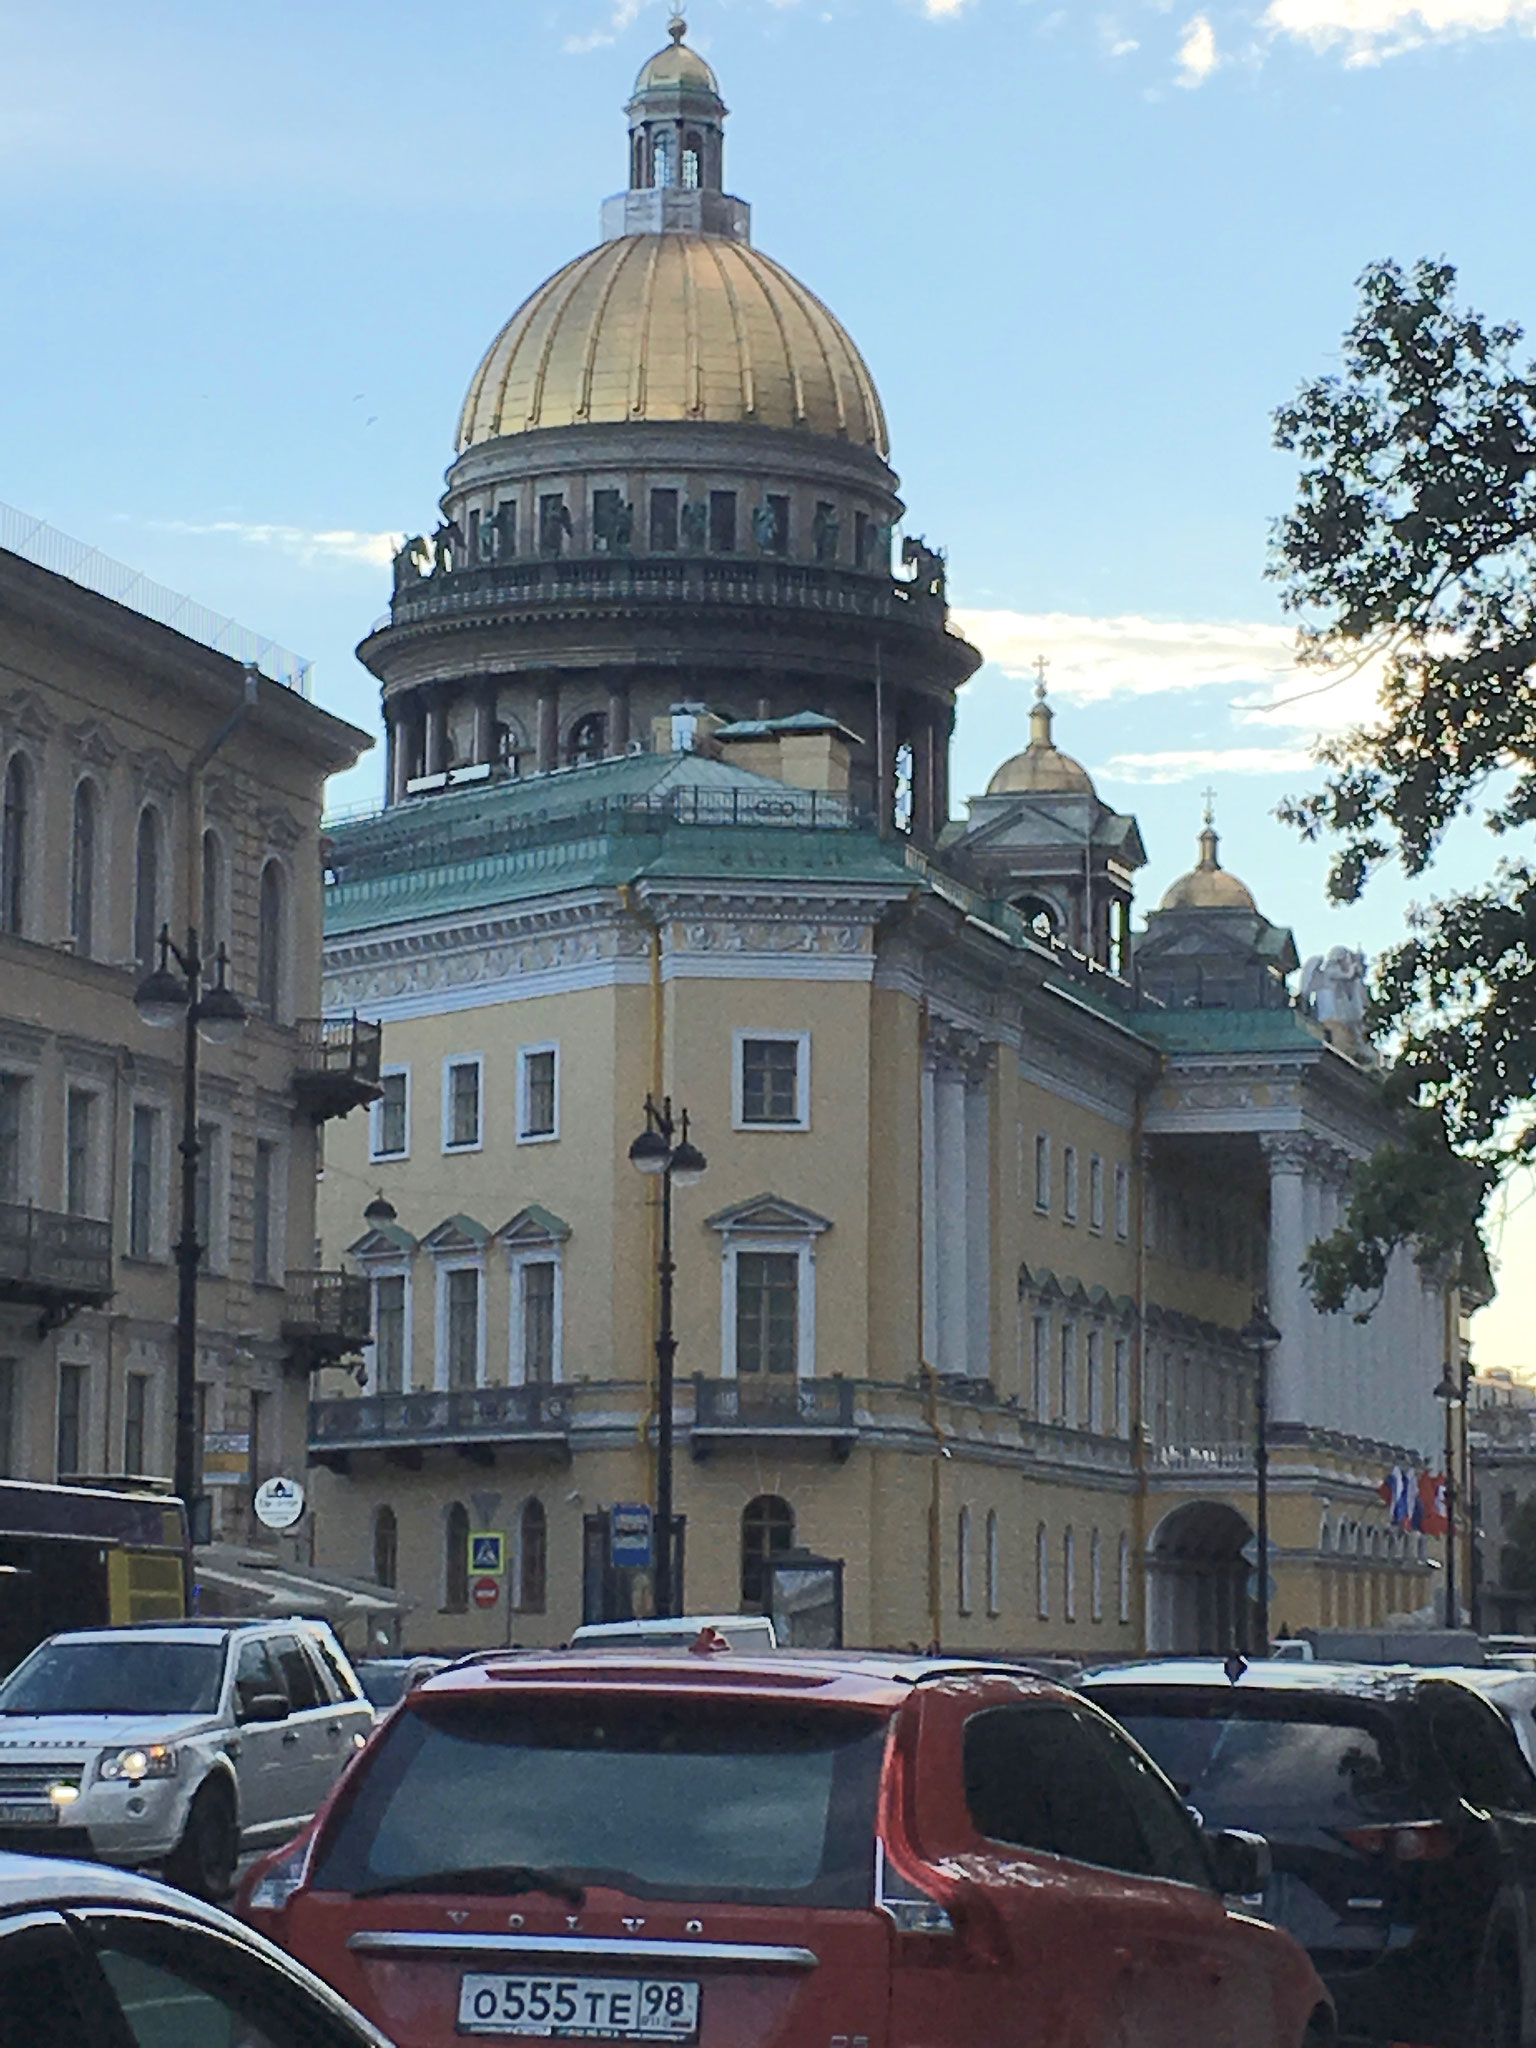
<point x="46" y="548"/>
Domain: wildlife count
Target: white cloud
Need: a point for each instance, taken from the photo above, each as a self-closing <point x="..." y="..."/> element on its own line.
<point x="1198" y="56"/>
<point x="624" y="15"/>
<point x="376" y="550"/>
<point x="1373" y="29"/>
<point x="937" y="10"/>
<point x="1182" y="764"/>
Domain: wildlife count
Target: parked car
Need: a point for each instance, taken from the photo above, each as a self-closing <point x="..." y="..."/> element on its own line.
<point x="739" y="1850"/>
<point x="741" y="1631"/>
<point x="1402" y="1822"/>
<point x="96" y="1957"/>
<point x="1513" y="1692"/>
<point x="386" y="1680"/>
<point x="179" y="1745"/>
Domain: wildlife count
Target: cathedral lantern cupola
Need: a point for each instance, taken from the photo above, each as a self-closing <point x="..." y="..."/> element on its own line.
<point x="676" y="152"/>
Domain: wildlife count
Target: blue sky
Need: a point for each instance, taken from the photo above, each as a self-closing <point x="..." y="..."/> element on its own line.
<point x="250" y="258"/>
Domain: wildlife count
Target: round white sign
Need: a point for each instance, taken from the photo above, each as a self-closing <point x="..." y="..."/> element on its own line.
<point x="279" y="1503"/>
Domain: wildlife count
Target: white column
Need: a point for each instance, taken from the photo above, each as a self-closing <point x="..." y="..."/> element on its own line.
<point x="928" y="1195"/>
<point x="978" y="1226"/>
<point x="951" y="1274"/>
<point x="1291" y="1396"/>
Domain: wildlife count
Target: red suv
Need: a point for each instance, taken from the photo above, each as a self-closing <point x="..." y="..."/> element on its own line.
<point x="777" y="1851"/>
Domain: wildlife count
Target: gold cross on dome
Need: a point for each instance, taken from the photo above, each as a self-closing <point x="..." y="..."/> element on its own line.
<point x="1210" y="805"/>
<point x="1041" y="665"/>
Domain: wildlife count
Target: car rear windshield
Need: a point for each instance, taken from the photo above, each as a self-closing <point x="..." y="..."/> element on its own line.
<point x="116" y="1678"/>
<point x="1285" y="1766"/>
<point x="688" y="1799"/>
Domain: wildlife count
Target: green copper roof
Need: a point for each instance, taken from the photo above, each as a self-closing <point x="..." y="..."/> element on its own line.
<point x="1196" y="1031"/>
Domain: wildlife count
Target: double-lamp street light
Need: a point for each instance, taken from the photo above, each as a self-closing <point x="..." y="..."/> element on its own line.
<point x="1453" y="1393"/>
<point x="664" y="1151"/>
<point x="1260" y="1337"/>
<point x="168" y="996"/>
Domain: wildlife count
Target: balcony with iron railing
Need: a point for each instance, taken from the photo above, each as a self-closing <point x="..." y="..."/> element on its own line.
<point x="470" y="1420"/>
<point x="338" y="1065"/>
<point x="327" y="1316"/>
<point x="53" y="1262"/>
<point x="750" y="1410"/>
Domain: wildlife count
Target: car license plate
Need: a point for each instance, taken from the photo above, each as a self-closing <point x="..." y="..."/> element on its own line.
<point x="27" y="1813"/>
<point x="579" y="2008"/>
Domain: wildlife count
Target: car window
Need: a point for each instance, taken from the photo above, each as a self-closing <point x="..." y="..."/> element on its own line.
<point x="1172" y="1838"/>
<point x="180" y="1987"/>
<point x="1475" y="1744"/>
<point x="300" y="1676"/>
<point x="341" y="1685"/>
<point x="121" y="1676"/>
<point x="255" y="1674"/>
<point x="1044" y="1778"/>
<point x="39" y="1983"/>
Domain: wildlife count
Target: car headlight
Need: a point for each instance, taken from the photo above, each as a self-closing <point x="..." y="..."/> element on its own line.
<point x="143" y="1760"/>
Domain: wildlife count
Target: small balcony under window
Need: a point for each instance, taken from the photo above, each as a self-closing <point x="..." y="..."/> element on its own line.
<point x="338" y="1065"/>
<point x="473" y="1421"/>
<point x="328" y="1316"/>
<point x="54" y="1263"/>
<point x="750" y="1408"/>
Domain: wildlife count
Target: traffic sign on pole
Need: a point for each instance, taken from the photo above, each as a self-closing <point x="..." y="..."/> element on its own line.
<point x="488" y="1552"/>
<point x="485" y="1592"/>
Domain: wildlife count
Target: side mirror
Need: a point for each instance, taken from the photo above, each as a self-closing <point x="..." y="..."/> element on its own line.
<point x="263" y="1706"/>
<point x="1240" y="1862"/>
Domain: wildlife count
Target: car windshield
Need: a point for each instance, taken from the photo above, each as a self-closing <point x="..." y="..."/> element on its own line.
<point x="714" y="1801"/>
<point x="101" y="1677"/>
<point x="1287" y="1767"/>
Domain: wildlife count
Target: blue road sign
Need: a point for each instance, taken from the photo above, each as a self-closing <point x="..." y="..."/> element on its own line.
<point x="630" y="1538"/>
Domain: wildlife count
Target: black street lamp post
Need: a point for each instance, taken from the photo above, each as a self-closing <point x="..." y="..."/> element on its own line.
<point x="1260" y="1336"/>
<point x="165" y="997"/>
<point x="654" y="1153"/>
<point x="1452" y="1395"/>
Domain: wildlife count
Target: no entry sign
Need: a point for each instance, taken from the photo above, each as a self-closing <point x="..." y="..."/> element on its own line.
<point x="485" y="1592"/>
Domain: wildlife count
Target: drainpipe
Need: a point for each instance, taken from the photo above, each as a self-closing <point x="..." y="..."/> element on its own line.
<point x="930" y="1381"/>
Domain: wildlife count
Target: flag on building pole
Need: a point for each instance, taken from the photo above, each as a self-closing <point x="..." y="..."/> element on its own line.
<point x="1433" y="1518"/>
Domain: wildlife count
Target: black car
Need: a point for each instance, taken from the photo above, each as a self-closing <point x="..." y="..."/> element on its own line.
<point x="1401" y="1818"/>
<point x="93" y="1958"/>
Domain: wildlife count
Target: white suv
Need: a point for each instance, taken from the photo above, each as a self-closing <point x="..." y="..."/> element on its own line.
<point x="181" y="1745"/>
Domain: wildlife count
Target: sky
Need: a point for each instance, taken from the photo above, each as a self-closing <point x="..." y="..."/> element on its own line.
<point x="251" y="257"/>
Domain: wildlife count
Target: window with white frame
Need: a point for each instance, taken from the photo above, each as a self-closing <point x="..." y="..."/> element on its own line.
<point x="994" y="1566"/>
<point x="1122" y="1388"/>
<point x="1043" y="1572"/>
<point x="461" y="1104"/>
<point x="391" y="1333"/>
<point x="1122" y="1202"/>
<point x="144" y="1220"/>
<point x="536" y="1315"/>
<point x="767" y="1313"/>
<point x="772" y="1081"/>
<point x="82" y="1152"/>
<point x="460" y="1326"/>
<point x="1096" y="1576"/>
<point x="963" y="1561"/>
<point x="768" y="1290"/>
<point x="538" y="1094"/>
<point x="389" y="1117"/>
<point x="1066" y="1403"/>
<point x="1043" y="1172"/>
<point x="1069" y="1183"/>
<point x="266" y="1215"/>
<point x="15" y="1101"/>
<point x="1095" y="1193"/>
<point x="136" y="1458"/>
<point x="1069" y="1576"/>
<point x="1040" y="1368"/>
<point x="1125" y="1578"/>
<point x="1096" y="1381"/>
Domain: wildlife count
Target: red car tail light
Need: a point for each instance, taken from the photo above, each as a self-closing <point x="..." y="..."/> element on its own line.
<point x="1406" y="1841"/>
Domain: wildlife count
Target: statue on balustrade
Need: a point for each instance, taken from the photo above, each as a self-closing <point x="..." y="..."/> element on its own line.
<point x="693" y="522"/>
<point x="412" y="562"/>
<point x="824" y="531"/>
<point x="1334" y="995"/>
<point x="928" y="581"/>
<point x="448" y="547"/>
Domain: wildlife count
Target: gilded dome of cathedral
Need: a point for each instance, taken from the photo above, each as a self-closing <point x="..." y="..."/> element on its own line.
<point x="1208" y="886"/>
<point x="1042" y="769"/>
<point x="673" y="327"/>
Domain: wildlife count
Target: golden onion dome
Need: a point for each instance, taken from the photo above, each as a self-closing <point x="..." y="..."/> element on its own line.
<point x="1042" y="769"/>
<point x="1208" y="886"/>
<point x="676" y="65"/>
<point x="673" y="327"/>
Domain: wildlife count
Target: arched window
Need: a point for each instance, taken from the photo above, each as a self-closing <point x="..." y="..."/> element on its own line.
<point x="146" y="888"/>
<point x="456" y="1559"/>
<point x="1042" y="917"/>
<point x="532" y="1558"/>
<point x="214" y="931"/>
<point x="1069" y="1576"/>
<point x="386" y="1547"/>
<point x="15" y="845"/>
<point x="588" y="740"/>
<point x="661" y="161"/>
<point x="269" y="949"/>
<point x="693" y="160"/>
<point x="1125" y="1578"/>
<point x="963" y="1562"/>
<point x="767" y="1527"/>
<point x="1096" y="1576"/>
<point x="994" y="1565"/>
<point x="1043" y="1572"/>
<point x="82" y="869"/>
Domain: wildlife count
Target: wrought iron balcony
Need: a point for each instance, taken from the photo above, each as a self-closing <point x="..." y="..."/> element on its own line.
<point x="738" y="1410"/>
<point x="338" y="1064"/>
<point x="470" y="1419"/>
<point x="328" y="1316"/>
<point x="52" y="1262"/>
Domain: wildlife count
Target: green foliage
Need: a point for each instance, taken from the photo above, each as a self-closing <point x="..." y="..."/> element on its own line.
<point x="1413" y="541"/>
<point x="1517" y="1558"/>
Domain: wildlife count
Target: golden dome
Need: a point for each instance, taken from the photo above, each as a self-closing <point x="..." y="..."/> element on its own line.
<point x="1042" y="769"/>
<point x="1208" y="886"/>
<point x="673" y="327"/>
<point x="676" y="65"/>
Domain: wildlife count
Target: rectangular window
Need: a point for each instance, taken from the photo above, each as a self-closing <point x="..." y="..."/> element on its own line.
<point x="79" y="1148"/>
<point x="135" y="1414"/>
<point x="13" y="1096"/>
<point x="71" y="1420"/>
<point x="538" y="1082"/>
<point x="142" y="1143"/>
<point x="539" y="1321"/>
<point x="663" y="522"/>
<point x="1122" y="1387"/>
<point x="1096" y="1382"/>
<point x="1095" y="1193"/>
<point x="767" y="1313"/>
<point x="8" y="1458"/>
<point x="1122" y="1202"/>
<point x="772" y="1080"/>
<point x="461" y="1106"/>
<point x="207" y="1173"/>
<point x="463" y="1332"/>
<point x="389" y="1126"/>
<point x="263" y="1197"/>
<point x="722" y="522"/>
<point x="1069" y="1183"/>
<point x="1066" y="1408"/>
<point x="1043" y="1172"/>
<point x="389" y="1333"/>
<point x="963" y="1562"/>
<point x="1041" y="1369"/>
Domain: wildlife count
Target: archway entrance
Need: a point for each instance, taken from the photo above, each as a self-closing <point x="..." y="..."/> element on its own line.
<point x="1197" y="1577"/>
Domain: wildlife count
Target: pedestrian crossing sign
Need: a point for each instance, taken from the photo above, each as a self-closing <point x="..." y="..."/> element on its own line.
<point x="488" y="1553"/>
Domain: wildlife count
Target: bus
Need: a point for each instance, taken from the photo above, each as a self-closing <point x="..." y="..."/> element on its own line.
<point x="86" y="1557"/>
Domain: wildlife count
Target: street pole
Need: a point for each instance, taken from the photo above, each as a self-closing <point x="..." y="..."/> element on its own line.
<point x="1261" y="1490"/>
<point x="188" y="1255"/>
<point x="666" y="1357"/>
<point x="1451" y="1616"/>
